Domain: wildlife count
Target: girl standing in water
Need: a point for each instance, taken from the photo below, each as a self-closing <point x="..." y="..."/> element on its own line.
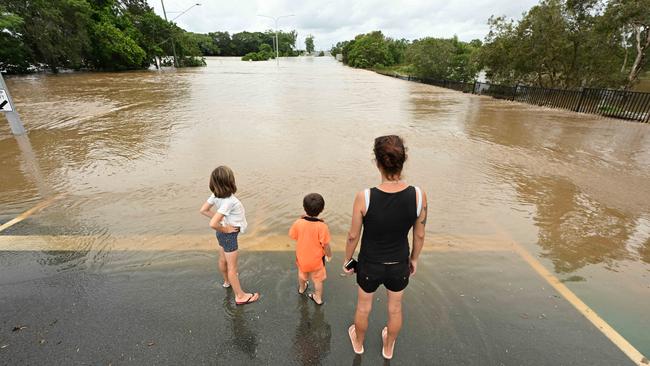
<point x="386" y="213"/>
<point x="228" y="221"/>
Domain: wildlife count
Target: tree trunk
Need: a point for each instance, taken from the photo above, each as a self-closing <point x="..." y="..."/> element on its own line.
<point x="624" y="36"/>
<point x="642" y="44"/>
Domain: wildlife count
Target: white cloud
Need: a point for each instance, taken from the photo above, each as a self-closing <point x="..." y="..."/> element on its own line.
<point x="338" y="20"/>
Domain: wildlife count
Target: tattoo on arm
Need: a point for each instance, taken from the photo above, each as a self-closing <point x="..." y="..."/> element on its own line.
<point x="424" y="219"/>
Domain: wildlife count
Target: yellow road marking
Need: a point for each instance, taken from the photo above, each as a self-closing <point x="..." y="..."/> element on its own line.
<point x="29" y="213"/>
<point x="607" y="330"/>
<point x="625" y="346"/>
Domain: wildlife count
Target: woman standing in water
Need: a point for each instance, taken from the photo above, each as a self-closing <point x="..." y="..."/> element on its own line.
<point x="387" y="213"/>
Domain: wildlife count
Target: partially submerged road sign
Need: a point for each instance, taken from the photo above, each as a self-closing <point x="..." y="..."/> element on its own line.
<point x="5" y="105"/>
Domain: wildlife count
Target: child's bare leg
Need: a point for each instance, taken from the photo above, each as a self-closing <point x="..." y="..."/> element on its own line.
<point x="223" y="266"/>
<point x="302" y="284"/>
<point x="233" y="277"/>
<point x="318" y="291"/>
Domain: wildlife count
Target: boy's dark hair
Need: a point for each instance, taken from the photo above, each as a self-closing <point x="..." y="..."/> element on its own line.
<point x="222" y="182"/>
<point x="313" y="204"/>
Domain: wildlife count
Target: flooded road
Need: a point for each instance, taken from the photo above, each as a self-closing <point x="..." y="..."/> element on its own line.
<point x="128" y="156"/>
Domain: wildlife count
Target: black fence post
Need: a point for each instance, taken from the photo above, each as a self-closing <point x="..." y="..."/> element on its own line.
<point x="582" y="95"/>
<point x="514" y="91"/>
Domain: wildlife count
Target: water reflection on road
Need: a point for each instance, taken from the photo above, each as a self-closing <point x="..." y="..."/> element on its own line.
<point x="311" y="341"/>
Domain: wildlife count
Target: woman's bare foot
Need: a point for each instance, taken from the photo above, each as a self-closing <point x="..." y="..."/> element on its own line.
<point x="357" y="348"/>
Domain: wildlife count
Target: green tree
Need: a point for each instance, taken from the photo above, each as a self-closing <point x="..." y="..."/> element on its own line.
<point x="286" y="42"/>
<point x="557" y="43"/>
<point x="223" y="42"/>
<point x="114" y="50"/>
<point x="397" y="49"/>
<point x="431" y="57"/>
<point x="464" y="63"/>
<point x="55" y="32"/>
<point x="631" y="20"/>
<point x="369" y="50"/>
<point x="309" y="44"/>
<point x="205" y="43"/>
<point x="151" y="32"/>
<point x="95" y="34"/>
<point x="14" y="55"/>
<point x="188" y="50"/>
<point x="247" y="42"/>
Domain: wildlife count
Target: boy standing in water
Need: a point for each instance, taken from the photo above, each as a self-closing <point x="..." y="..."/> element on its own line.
<point x="312" y="246"/>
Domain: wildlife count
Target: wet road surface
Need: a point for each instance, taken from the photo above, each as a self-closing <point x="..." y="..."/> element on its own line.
<point x="459" y="310"/>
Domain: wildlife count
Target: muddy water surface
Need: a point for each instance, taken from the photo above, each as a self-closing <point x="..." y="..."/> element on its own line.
<point x="128" y="157"/>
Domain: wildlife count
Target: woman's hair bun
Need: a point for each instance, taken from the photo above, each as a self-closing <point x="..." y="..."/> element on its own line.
<point x="390" y="154"/>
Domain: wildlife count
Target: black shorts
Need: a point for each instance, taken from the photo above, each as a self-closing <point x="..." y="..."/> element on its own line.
<point x="395" y="277"/>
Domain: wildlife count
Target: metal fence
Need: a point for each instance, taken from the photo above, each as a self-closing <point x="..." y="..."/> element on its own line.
<point x="606" y="102"/>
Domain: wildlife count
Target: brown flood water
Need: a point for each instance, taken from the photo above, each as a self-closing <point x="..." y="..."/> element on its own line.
<point x="130" y="154"/>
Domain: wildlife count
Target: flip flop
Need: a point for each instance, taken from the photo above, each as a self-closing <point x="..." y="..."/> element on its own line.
<point x="311" y="296"/>
<point x="384" y="335"/>
<point x="225" y="285"/>
<point x="350" y="330"/>
<point x="305" y="290"/>
<point x="249" y="300"/>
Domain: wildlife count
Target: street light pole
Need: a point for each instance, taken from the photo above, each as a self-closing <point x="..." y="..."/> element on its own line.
<point x="184" y="11"/>
<point x="172" y="35"/>
<point x="277" y="44"/>
<point x="176" y="17"/>
<point x="277" y="40"/>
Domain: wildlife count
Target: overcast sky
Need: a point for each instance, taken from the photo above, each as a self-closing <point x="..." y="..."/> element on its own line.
<point x="338" y="20"/>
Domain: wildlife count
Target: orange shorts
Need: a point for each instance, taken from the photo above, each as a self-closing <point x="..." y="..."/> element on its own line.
<point x="318" y="275"/>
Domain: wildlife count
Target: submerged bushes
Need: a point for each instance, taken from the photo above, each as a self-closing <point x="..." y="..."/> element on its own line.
<point x="265" y="53"/>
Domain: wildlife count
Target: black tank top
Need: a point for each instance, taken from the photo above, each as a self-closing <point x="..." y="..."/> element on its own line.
<point x="386" y="225"/>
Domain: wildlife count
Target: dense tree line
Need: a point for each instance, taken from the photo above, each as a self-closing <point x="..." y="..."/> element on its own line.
<point x="243" y="43"/>
<point x="427" y="57"/>
<point x="571" y="44"/>
<point x="556" y="44"/>
<point x="88" y="34"/>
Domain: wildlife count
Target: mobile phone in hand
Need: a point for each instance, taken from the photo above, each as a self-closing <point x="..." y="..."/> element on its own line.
<point x="351" y="265"/>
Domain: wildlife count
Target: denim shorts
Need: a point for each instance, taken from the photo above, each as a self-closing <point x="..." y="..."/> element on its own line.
<point x="228" y="241"/>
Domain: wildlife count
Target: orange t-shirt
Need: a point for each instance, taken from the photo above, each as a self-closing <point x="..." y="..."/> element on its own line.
<point x="311" y="237"/>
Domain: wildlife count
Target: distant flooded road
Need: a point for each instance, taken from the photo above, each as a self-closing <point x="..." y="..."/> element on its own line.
<point x="128" y="157"/>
